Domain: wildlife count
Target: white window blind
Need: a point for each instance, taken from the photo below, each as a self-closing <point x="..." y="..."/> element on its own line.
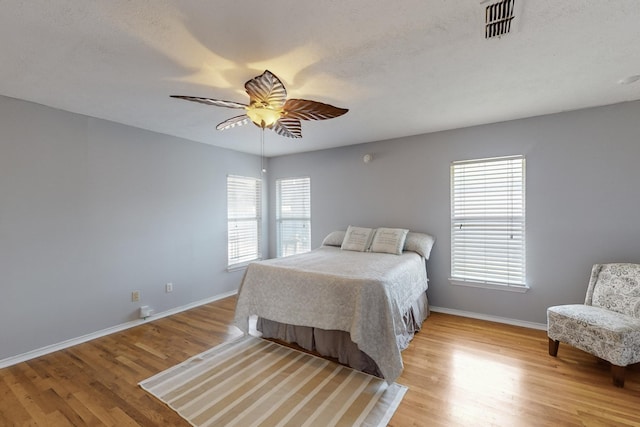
<point x="293" y="216"/>
<point x="244" y="219"/>
<point x="488" y="221"/>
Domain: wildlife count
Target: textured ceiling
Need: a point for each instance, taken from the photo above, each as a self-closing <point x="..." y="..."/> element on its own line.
<point x="401" y="67"/>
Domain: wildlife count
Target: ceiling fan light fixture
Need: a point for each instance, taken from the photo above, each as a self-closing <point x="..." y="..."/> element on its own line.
<point x="264" y="116"/>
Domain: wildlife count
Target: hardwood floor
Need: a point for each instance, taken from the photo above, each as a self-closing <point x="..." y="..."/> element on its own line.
<point x="459" y="371"/>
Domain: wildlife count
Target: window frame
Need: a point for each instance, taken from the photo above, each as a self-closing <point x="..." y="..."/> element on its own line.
<point x="236" y="195"/>
<point x="301" y="214"/>
<point x="501" y="231"/>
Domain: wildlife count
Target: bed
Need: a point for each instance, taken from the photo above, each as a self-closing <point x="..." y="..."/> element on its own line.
<point x="360" y="305"/>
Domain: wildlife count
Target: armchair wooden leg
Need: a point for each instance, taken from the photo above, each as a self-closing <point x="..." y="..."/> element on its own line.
<point x="553" y="347"/>
<point x="617" y="372"/>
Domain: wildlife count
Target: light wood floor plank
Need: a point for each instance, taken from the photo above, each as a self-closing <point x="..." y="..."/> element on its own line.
<point x="459" y="372"/>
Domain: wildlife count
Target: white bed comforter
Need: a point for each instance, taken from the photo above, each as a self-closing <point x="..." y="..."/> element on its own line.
<point x="362" y="293"/>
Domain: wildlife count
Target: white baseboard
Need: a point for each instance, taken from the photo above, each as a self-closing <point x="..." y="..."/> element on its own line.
<point x="498" y="319"/>
<point x="13" y="360"/>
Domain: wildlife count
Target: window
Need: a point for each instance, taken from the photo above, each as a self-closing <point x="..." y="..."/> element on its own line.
<point x="244" y="220"/>
<point x="488" y="223"/>
<point x="293" y="216"/>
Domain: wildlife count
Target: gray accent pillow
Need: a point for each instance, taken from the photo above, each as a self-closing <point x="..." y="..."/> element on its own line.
<point x="420" y="243"/>
<point x="335" y="238"/>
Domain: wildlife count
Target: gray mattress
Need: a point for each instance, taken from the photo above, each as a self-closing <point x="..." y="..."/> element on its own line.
<point x="338" y="344"/>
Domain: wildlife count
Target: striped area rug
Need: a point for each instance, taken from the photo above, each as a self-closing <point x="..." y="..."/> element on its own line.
<point x="254" y="382"/>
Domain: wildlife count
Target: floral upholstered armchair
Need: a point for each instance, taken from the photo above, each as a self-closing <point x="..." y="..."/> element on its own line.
<point x="607" y="325"/>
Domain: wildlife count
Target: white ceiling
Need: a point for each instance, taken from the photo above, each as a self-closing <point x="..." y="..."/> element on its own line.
<point x="402" y="67"/>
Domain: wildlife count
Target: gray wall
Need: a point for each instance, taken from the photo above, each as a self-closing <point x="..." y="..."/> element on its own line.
<point x="583" y="199"/>
<point x="91" y="210"/>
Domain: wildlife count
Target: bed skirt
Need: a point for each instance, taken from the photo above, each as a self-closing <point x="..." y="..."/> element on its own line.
<point x="337" y="344"/>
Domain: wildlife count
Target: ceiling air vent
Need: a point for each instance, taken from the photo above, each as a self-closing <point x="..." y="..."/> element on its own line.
<point x="498" y="17"/>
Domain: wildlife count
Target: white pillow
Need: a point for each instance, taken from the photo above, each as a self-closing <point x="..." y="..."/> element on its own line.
<point x="389" y="240"/>
<point x="335" y="238"/>
<point x="420" y="243"/>
<point x="357" y="239"/>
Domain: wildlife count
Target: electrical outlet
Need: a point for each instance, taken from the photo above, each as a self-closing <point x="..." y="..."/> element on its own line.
<point x="135" y="296"/>
<point x="168" y="287"/>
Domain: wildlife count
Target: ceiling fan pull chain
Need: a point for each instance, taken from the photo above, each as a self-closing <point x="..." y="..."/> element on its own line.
<point x="262" y="152"/>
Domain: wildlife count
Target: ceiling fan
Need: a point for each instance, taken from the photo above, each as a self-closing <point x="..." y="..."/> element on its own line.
<point x="269" y="107"/>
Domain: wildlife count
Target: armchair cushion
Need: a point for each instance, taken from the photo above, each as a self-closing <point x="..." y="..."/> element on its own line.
<point x="604" y="333"/>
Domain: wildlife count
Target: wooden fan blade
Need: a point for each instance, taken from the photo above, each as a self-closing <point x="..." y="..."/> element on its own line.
<point x="210" y="101"/>
<point x="305" y="109"/>
<point x="266" y="89"/>
<point x="291" y="128"/>
<point x="233" y="122"/>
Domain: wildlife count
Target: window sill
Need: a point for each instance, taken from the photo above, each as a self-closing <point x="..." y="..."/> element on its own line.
<point x="493" y="286"/>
